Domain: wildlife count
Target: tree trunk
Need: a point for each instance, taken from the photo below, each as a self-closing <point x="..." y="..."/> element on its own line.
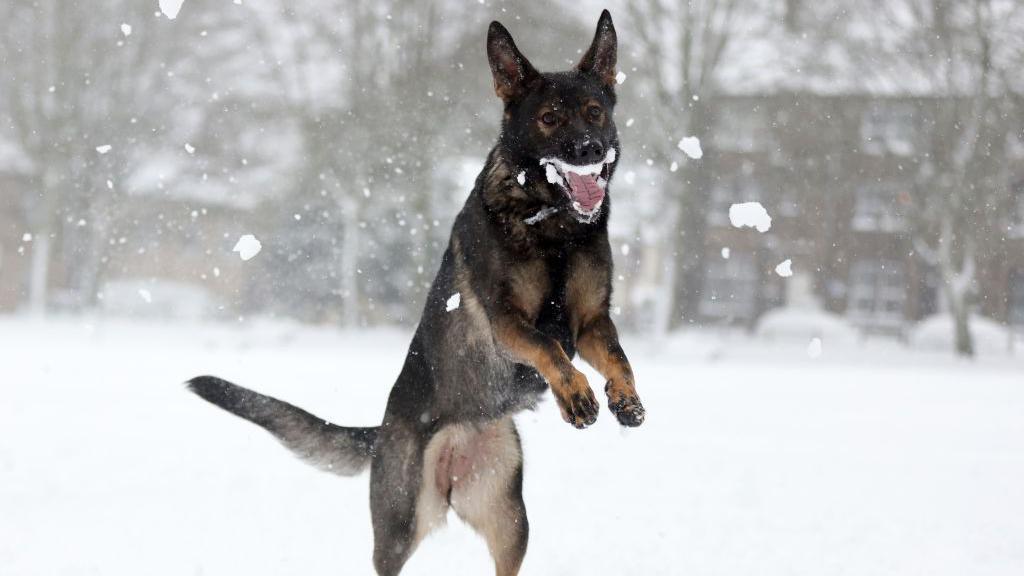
<point x="688" y="239"/>
<point x="350" y="264"/>
<point x="39" y="273"/>
<point x="964" y="341"/>
<point x="666" y="298"/>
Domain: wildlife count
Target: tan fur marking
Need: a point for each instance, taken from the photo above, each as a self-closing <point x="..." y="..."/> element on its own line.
<point x="546" y="130"/>
<point x="586" y="292"/>
<point x="529" y="346"/>
<point x="528" y="284"/>
<point x="569" y="386"/>
<point x="596" y="337"/>
<point x="477" y="324"/>
<point x="585" y="112"/>
<point x="599" y="346"/>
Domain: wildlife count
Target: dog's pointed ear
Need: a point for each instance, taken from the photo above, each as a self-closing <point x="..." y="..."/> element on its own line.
<point x="513" y="73"/>
<point x="600" y="57"/>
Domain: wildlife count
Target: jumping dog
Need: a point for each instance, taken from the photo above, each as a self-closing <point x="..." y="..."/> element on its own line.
<point x="530" y="260"/>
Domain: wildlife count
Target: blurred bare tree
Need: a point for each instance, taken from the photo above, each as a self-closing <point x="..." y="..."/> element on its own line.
<point x="963" y="56"/>
<point x="74" y="85"/>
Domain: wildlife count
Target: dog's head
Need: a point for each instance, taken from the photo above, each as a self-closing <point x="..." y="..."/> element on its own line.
<point x="558" y="127"/>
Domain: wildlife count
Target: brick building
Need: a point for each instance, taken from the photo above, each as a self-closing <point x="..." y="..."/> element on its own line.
<point x="837" y="174"/>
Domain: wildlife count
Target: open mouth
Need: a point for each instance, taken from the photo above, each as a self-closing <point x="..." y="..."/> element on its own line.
<point x="585" y="185"/>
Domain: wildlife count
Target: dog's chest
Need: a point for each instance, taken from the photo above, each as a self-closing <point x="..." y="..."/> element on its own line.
<point x="539" y="284"/>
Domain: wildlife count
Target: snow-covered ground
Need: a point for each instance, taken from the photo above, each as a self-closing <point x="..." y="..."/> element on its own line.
<point x="755" y="459"/>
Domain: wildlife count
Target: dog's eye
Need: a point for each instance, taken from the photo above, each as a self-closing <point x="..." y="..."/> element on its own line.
<point x="549" y="118"/>
<point x="594" y="112"/>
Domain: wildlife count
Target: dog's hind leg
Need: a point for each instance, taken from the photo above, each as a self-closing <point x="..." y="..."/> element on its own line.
<point x="487" y="492"/>
<point x="404" y="502"/>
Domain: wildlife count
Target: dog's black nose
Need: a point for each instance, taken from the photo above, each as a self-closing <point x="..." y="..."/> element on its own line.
<point x="588" y="152"/>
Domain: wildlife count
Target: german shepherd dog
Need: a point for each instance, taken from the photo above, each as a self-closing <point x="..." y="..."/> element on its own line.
<point x="530" y="260"/>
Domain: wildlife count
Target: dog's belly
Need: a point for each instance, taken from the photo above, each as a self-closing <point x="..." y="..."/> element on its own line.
<point x="470" y="453"/>
<point x="467" y="466"/>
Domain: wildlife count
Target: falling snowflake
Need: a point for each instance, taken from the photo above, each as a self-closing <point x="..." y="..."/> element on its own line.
<point x="750" y="214"/>
<point x="690" y="145"/>
<point x="453" y="302"/>
<point x="785" y="268"/>
<point x="170" y="8"/>
<point x="247" y="247"/>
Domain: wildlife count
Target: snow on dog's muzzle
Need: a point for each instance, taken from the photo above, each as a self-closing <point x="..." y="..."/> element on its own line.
<point x="585" y="184"/>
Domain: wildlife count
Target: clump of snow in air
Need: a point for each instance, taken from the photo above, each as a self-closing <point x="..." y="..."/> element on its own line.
<point x="673" y="167"/>
<point x="146" y="296"/>
<point x="620" y="77"/>
<point x="126" y="29"/>
<point x="104" y="148"/>
<point x="690" y="145"/>
<point x="247" y="247"/>
<point x="552" y="174"/>
<point x="189" y="148"/>
<point x="170" y="8"/>
<point x="26" y="237"/>
<point x="629" y="122"/>
<point x="625" y="249"/>
<point x="750" y="214"/>
<point x="453" y="302"/>
<point x="521" y="178"/>
<point x="726" y="252"/>
<point x="814" y="348"/>
<point x="785" y="268"/>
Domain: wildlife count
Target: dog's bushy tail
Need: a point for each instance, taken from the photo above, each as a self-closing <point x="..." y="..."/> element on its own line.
<point x="338" y="449"/>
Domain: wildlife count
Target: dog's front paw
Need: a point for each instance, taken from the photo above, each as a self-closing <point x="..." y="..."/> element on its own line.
<point x="577" y="402"/>
<point x="624" y="403"/>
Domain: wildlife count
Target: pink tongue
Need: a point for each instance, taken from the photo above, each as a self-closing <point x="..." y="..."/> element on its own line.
<point x="584" y="189"/>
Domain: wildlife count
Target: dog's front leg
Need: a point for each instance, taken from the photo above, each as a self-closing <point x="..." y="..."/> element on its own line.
<point x="598" y="343"/>
<point x="529" y="346"/>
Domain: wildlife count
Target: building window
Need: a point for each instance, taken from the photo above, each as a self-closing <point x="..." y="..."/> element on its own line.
<point x="1016" y="299"/>
<point x="878" y="291"/>
<point x="728" y="190"/>
<point x="730" y="288"/>
<point x="889" y="127"/>
<point x="880" y="207"/>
